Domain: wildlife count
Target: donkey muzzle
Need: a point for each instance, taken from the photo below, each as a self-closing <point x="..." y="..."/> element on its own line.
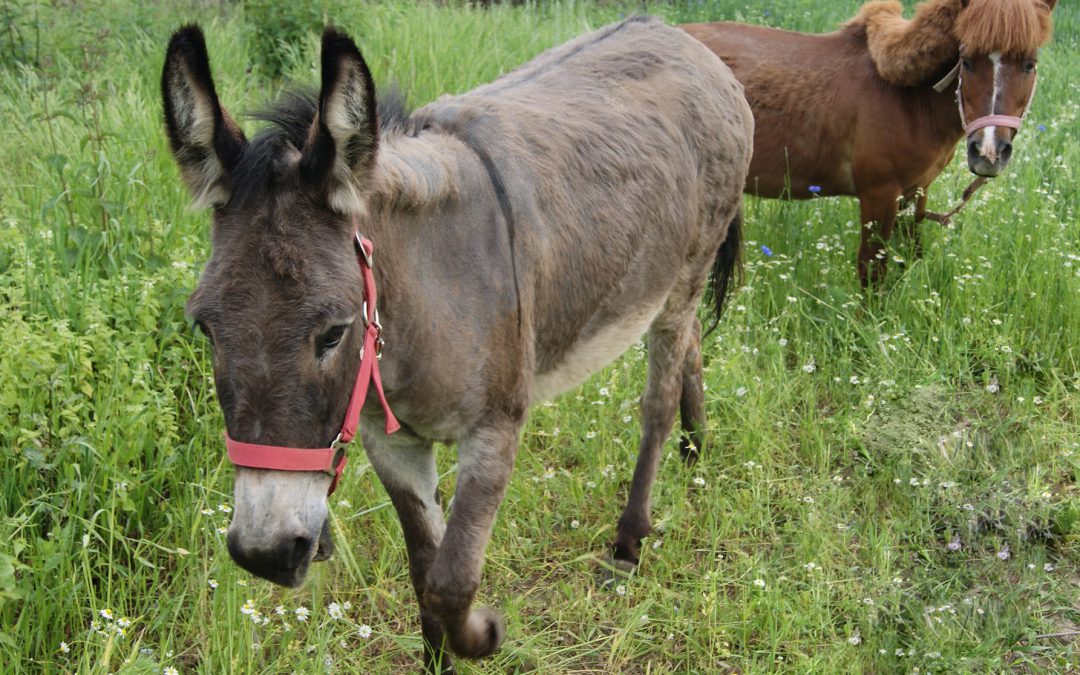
<point x="283" y="561"/>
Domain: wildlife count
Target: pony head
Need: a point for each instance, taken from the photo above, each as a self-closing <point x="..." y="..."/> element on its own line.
<point x="991" y="46"/>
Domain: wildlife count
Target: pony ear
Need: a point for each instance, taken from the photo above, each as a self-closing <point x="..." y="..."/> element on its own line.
<point x="205" y="141"/>
<point x="1050" y="4"/>
<point x="344" y="138"/>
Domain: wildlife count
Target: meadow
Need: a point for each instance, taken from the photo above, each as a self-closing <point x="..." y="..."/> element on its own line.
<point x="892" y="480"/>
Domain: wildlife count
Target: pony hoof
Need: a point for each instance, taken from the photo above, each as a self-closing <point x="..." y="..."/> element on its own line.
<point x="482" y="634"/>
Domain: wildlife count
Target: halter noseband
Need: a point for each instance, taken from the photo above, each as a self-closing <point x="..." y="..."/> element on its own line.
<point x="331" y="459"/>
<point x="1010" y="121"/>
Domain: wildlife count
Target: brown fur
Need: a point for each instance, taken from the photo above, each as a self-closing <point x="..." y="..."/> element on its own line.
<point x="525" y="234"/>
<point x="1012" y="27"/>
<point x="855" y="112"/>
<point x="906" y="52"/>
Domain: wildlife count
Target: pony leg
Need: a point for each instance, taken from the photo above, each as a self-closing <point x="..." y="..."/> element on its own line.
<point x="912" y="230"/>
<point x="486" y="458"/>
<point x="909" y="228"/>
<point x="878" y="217"/>
<point x="668" y="338"/>
<point x="692" y="401"/>
<point x="406" y="466"/>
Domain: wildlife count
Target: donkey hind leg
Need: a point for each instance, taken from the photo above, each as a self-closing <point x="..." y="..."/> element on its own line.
<point x="406" y="466"/>
<point x="878" y="217"/>
<point x="692" y="400"/>
<point x="486" y="458"/>
<point x="668" y="340"/>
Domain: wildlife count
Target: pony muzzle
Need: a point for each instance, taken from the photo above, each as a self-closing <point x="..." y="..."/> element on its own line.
<point x="989" y="150"/>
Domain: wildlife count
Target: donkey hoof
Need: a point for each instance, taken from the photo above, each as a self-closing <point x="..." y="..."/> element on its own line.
<point x="482" y="634"/>
<point x="689" y="450"/>
<point x="616" y="569"/>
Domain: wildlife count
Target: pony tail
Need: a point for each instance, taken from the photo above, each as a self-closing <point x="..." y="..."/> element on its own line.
<point x="727" y="270"/>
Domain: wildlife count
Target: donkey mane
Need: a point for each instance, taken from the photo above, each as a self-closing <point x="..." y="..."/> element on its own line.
<point x="289" y="121"/>
<point x="908" y="52"/>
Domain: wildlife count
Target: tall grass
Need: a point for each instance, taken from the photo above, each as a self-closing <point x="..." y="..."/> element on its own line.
<point x="892" y="479"/>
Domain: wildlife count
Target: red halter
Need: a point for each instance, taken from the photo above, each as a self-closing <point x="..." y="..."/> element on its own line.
<point x="332" y="459"/>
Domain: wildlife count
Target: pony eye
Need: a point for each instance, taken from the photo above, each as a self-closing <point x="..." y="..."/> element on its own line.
<point x="330" y="339"/>
<point x="1029" y="66"/>
<point x="967" y="64"/>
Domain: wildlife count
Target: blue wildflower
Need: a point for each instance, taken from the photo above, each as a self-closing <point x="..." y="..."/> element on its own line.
<point x="766" y="250"/>
<point x="814" y="188"/>
<point x="1041" y="127"/>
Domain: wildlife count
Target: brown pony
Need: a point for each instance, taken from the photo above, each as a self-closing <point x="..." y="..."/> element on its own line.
<point x="856" y="111"/>
<point x="525" y="234"/>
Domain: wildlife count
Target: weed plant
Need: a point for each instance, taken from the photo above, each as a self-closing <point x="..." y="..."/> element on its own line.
<point x="891" y="484"/>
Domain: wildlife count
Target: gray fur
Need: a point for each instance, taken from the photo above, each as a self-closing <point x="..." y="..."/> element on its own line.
<point x="620" y="157"/>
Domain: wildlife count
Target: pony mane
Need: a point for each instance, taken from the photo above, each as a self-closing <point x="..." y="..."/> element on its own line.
<point x="908" y="52"/>
<point x="1012" y="27"/>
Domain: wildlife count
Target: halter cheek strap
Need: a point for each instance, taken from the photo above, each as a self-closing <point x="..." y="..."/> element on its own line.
<point x="332" y="459"/>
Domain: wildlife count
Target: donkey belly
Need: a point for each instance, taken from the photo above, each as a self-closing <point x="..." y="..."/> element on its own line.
<point x="590" y="354"/>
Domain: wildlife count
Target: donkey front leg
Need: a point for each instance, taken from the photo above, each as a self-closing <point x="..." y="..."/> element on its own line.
<point x="669" y="337"/>
<point x="406" y="466"/>
<point x="486" y="458"/>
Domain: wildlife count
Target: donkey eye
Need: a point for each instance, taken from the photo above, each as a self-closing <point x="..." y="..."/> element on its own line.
<point x="330" y="339"/>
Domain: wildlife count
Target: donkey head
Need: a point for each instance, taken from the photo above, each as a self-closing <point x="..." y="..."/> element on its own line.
<point x="280" y="297"/>
<point x="999" y="42"/>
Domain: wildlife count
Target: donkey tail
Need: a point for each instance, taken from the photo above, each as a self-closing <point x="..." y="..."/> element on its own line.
<point x="727" y="270"/>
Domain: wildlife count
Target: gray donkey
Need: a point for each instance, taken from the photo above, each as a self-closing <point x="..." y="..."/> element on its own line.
<point x="526" y="234"/>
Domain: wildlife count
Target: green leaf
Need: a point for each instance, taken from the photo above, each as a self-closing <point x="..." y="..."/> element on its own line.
<point x="57" y="162"/>
<point x="8" y="583"/>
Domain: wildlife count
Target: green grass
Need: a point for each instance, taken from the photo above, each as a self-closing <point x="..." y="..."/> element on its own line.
<point x="854" y="438"/>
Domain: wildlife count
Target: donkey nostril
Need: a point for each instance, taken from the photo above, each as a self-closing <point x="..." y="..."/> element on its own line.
<point x="301" y="547"/>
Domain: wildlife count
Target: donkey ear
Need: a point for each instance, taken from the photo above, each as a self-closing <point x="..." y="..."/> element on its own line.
<point x="205" y="141"/>
<point x="344" y="138"/>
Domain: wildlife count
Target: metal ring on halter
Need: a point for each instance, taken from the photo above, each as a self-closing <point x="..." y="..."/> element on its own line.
<point x="369" y="258"/>
<point x="374" y="321"/>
